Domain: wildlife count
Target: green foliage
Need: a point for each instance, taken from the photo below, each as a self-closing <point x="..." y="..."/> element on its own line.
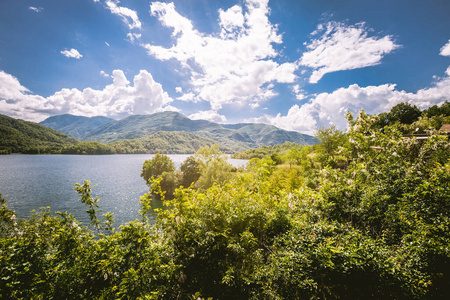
<point x="164" y="142"/>
<point x="84" y="191"/>
<point x="410" y="120"/>
<point x="17" y="136"/>
<point x="404" y="113"/>
<point x="190" y="171"/>
<point x="433" y="111"/>
<point x="91" y="148"/>
<point x="156" y="166"/>
<point x="278" y="151"/>
<point x="213" y="165"/>
<point x="330" y="141"/>
<point x="75" y="126"/>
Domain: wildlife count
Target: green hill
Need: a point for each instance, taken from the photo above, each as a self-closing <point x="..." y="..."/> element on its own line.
<point x="75" y="126"/>
<point x="173" y="142"/>
<point x="18" y="136"/>
<point x="270" y="135"/>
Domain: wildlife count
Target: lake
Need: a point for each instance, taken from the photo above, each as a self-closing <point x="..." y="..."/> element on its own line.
<point x="29" y="182"/>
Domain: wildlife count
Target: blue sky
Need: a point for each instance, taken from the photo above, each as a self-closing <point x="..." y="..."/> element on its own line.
<point x="299" y="65"/>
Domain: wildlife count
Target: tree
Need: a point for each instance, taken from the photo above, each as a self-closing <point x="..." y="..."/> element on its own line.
<point x="169" y="183"/>
<point x="156" y="166"/>
<point x="293" y="156"/>
<point x="213" y="165"/>
<point x="190" y="170"/>
<point x="443" y="110"/>
<point x="405" y="113"/>
<point x="330" y="140"/>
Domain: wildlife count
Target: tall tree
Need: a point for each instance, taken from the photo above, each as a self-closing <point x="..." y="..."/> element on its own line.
<point x="330" y="140"/>
<point x="405" y="113"/>
<point x="156" y="166"/>
<point x="190" y="170"/>
<point x="214" y="167"/>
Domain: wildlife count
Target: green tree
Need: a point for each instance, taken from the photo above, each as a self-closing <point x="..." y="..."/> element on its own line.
<point x="213" y="165"/>
<point x="330" y="140"/>
<point x="170" y="181"/>
<point x="404" y="113"/>
<point x="190" y="171"/>
<point x="443" y="110"/>
<point x="156" y="166"/>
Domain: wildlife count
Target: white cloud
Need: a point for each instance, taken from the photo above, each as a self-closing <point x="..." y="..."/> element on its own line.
<point x="107" y="44"/>
<point x="128" y="16"/>
<point x="179" y="89"/>
<point x="133" y="36"/>
<point x="72" y="53"/>
<point x="208" y="115"/>
<point x="330" y="108"/>
<point x="299" y="93"/>
<point x="104" y="74"/>
<point x="187" y="97"/>
<point x="445" y="50"/>
<point x="343" y="47"/>
<point x="117" y="100"/>
<point x="36" y="9"/>
<point x="235" y="67"/>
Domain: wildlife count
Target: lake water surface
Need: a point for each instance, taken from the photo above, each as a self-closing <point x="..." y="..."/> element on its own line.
<point x="30" y="182"/>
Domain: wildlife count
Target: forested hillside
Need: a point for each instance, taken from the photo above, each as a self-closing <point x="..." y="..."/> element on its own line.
<point x="364" y="214"/>
<point x="173" y="142"/>
<point x="28" y="137"/>
<point x="75" y="126"/>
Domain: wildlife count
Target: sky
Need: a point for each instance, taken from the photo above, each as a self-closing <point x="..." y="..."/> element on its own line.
<point x="297" y="64"/>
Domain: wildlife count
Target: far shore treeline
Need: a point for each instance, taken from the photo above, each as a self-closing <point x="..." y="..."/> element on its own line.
<point x="362" y="214"/>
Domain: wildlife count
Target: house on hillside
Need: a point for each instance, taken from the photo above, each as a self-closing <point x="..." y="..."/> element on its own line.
<point x="446" y="128"/>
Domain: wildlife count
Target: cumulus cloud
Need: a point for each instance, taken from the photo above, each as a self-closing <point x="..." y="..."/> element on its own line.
<point x="72" y="53"/>
<point x="104" y="74"/>
<point x="236" y="66"/>
<point x="445" y="50"/>
<point x="343" y="47"/>
<point x="117" y="100"/>
<point x="330" y="108"/>
<point x="128" y="16"/>
<point x="36" y="9"/>
<point x="209" y="115"/>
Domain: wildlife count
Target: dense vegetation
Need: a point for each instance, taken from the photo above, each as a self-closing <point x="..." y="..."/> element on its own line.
<point x="364" y="215"/>
<point x="91" y="148"/>
<point x="75" y="126"/>
<point x="17" y="136"/>
<point x="170" y="142"/>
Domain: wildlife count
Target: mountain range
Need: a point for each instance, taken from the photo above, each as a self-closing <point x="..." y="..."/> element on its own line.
<point x="231" y="137"/>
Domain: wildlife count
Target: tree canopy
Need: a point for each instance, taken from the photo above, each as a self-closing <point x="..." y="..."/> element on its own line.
<point x="156" y="166"/>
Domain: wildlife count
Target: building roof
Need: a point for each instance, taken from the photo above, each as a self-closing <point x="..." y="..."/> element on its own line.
<point x="446" y="128"/>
